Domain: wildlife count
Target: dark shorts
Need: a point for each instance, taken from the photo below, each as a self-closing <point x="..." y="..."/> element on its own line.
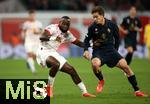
<point x="110" y="57"/>
<point x="130" y="43"/>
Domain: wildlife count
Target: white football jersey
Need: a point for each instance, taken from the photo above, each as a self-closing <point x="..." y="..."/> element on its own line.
<point x="30" y="27"/>
<point x="55" y="32"/>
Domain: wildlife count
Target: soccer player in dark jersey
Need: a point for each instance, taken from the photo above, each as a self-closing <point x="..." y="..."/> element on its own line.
<point x="104" y="35"/>
<point x="130" y="26"/>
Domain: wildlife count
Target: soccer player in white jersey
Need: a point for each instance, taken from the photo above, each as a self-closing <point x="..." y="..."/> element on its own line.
<point x="54" y="35"/>
<point x="31" y="31"/>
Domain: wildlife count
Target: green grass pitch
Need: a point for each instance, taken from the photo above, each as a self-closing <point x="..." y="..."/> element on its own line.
<point x="116" y="89"/>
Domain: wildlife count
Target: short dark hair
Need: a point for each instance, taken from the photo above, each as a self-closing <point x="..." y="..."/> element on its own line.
<point x="133" y="6"/>
<point x="98" y="9"/>
<point x="65" y="17"/>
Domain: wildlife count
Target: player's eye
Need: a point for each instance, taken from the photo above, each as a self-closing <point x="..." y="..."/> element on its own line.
<point x="94" y="17"/>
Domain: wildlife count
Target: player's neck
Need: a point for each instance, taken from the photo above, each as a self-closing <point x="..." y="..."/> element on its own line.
<point x="103" y="22"/>
<point x="132" y="16"/>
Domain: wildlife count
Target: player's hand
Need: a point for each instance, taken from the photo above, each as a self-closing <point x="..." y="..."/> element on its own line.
<point x="136" y="29"/>
<point x="87" y="55"/>
<point x="125" y="32"/>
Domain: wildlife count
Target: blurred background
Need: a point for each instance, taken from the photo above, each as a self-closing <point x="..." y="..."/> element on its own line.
<point x="14" y="12"/>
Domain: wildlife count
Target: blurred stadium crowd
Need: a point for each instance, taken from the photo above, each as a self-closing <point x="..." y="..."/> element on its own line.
<point x="70" y="5"/>
<point x="14" y="12"/>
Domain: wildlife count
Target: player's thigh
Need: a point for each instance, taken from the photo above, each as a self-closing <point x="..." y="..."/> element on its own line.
<point x="42" y="56"/>
<point x="97" y="56"/>
<point x="112" y="58"/>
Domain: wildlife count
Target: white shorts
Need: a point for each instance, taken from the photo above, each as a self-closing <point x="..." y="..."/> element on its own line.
<point x="31" y="47"/>
<point x="43" y="53"/>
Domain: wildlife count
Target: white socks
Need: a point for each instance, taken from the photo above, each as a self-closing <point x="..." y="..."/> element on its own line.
<point x="82" y="87"/>
<point x="51" y="80"/>
<point x="31" y="64"/>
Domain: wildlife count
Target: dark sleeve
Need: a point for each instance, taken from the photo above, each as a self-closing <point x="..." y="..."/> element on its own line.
<point x="139" y="24"/>
<point x="87" y="39"/>
<point x="123" y="24"/>
<point x="116" y="36"/>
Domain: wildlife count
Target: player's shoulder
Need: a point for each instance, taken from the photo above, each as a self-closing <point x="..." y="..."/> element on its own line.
<point x="92" y="25"/>
<point x="127" y="17"/>
<point x="137" y="18"/>
<point x="110" y="23"/>
<point x="26" y="22"/>
<point x="52" y="26"/>
<point x="37" y="21"/>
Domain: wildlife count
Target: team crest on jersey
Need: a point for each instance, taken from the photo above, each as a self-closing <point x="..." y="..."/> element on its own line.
<point x="96" y="30"/>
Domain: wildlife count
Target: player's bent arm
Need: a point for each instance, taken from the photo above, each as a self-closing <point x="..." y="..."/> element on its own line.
<point x="45" y="36"/>
<point x="116" y="36"/>
<point x="123" y="30"/>
<point x="23" y="34"/>
<point x="79" y="43"/>
<point x="38" y="31"/>
<point x="138" y="29"/>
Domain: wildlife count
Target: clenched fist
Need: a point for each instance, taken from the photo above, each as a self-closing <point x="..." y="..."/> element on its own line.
<point x="87" y="55"/>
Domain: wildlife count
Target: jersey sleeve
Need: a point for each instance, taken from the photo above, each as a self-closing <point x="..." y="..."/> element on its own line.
<point x="123" y="24"/>
<point x="25" y="26"/>
<point x="71" y="37"/>
<point x="139" y="24"/>
<point x="50" y="29"/>
<point x="87" y="39"/>
<point x="116" y="36"/>
<point x="40" y="26"/>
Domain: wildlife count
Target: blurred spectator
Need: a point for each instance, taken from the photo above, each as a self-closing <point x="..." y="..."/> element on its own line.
<point x="11" y="6"/>
<point x="15" y="39"/>
<point x="73" y="5"/>
<point x="147" y="37"/>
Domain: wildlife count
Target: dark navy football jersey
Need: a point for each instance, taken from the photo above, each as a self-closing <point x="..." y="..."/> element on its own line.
<point x="130" y="24"/>
<point x="106" y="35"/>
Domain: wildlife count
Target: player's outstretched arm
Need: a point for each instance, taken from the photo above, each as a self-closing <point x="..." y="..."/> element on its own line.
<point x="79" y="43"/>
<point x="45" y="36"/>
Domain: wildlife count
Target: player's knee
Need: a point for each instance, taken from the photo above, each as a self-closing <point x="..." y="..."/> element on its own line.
<point x="96" y="62"/>
<point x="123" y="64"/>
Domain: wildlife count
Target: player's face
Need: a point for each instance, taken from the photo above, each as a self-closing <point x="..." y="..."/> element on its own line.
<point x="64" y="25"/>
<point x="32" y="16"/>
<point x="133" y="12"/>
<point x="99" y="19"/>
